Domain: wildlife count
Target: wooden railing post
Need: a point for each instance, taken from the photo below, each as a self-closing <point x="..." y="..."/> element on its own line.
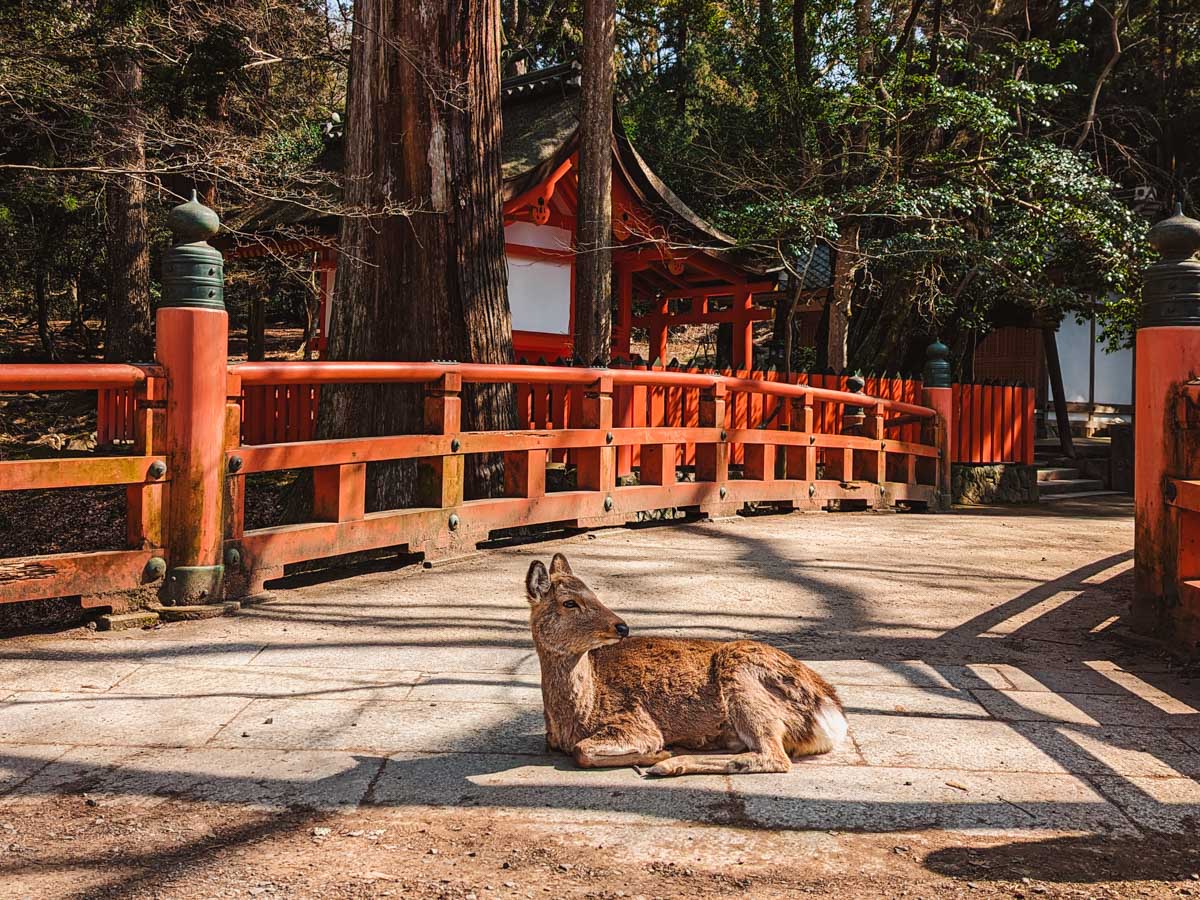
<point x="1166" y="443"/>
<point x="192" y="345"/>
<point x="875" y="461"/>
<point x="144" y="502"/>
<point x="937" y="394"/>
<point x="440" y="478"/>
<point x="596" y="467"/>
<point x="801" y="461"/>
<point x="839" y="462"/>
<point x="712" y="459"/>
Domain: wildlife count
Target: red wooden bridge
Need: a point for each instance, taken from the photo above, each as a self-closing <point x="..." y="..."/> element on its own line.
<point x="792" y="445"/>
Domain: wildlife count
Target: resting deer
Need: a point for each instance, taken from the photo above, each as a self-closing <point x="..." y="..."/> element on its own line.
<point x="613" y="700"/>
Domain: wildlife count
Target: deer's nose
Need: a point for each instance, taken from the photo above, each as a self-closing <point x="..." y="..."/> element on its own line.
<point x="622" y="629"/>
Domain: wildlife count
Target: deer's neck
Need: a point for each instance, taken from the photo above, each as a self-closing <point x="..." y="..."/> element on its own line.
<point x="569" y="696"/>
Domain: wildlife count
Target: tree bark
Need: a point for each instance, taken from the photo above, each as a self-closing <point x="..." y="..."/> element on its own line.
<point x="128" y="335"/>
<point x="839" y="304"/>
<point x="593" y="265"/>
<point x="422" y="131"/>
<point x="41" y="295"/>
<point x="256" y="330"/>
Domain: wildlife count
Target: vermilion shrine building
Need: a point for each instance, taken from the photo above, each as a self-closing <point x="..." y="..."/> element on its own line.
<point x="670" y="266"/>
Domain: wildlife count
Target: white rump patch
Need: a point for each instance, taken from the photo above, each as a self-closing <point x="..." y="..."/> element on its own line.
<point x="829" y="727"/>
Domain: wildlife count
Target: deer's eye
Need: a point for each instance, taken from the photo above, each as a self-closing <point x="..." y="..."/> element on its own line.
<point x="570" y="604"/>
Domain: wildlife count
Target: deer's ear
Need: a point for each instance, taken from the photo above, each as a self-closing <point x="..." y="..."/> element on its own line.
<point x="537" y="582"/>
<point x="560" y="566"/>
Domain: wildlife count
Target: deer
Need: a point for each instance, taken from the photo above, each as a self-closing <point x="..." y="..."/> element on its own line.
<point x="669" y="706"/>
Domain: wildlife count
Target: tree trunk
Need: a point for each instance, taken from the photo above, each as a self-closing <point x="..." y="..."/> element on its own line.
<point x="41" y="295"/>
<point x="593" y="266"/>
<point x="423" y="130"/>
<point x="839" y="304"/>
<point x="801" y="44"/>
<point x="256" y="330"/>
<point x="1061" y="416"/>
<point x="128" y="333"/>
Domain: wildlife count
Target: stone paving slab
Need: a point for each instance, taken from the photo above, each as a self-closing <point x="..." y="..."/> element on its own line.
<point x="265" y="682"/>
<point x="472" y="687"/>
<point x="902" y="799"/>
<point x="1104" y="678"/>
<point x="61" y="673"/>
<point x="905" y="673"/>
<point x="18" y="764"/>
<point x="548" y="788"/>
<point x="395" y="655"/>
<point x="114" y="720"/>
<point x="1080" y="709"/>
<point x="979" y="745"/>
<point x="860" y="699"/>
<point x="386" y="727"/>
<point x="1158" y="804"/>
<point x="73" y="770"/>
<point x="193" y="648"/>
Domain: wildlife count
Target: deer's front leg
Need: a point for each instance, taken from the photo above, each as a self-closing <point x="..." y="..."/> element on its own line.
<point x="614" y="746"/>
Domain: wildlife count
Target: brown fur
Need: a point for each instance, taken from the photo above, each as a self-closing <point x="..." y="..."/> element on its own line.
<point x="612" y="700"/>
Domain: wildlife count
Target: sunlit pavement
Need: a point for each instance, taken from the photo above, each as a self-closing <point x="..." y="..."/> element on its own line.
<point x="974" y="651"/>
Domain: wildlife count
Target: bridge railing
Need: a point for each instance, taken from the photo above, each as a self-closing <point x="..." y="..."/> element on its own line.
<point x="142" y="471"/>
<point x="794" y="463"/>
<point x="993" y="423"/>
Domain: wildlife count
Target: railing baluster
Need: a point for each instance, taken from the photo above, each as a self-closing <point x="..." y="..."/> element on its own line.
<point x="597" y="467"/>
<point x="440" y="478"/>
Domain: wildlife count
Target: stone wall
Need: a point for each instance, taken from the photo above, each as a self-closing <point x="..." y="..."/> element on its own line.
<point x="998" y="483"/>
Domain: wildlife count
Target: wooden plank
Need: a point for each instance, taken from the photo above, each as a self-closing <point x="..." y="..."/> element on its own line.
<point x="69" y="574"/>
<point x="41" y="474"/>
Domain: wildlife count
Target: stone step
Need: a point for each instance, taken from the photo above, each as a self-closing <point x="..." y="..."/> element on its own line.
<point x="1069" y="486"/>
<point x="1052" y="498"/>
<point x="1057" y="473"/>
<point x="141" y="618"/>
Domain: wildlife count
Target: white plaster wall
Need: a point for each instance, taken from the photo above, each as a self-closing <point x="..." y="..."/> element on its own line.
<point x="1074" y="353"/>
<point x="539" y="294"/>
<point x="532" y="235"/>
<point x="539" y="290"/>
<point x="1114" y="371"/>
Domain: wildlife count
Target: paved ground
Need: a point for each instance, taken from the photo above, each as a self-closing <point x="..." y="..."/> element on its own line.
<point x="383" y="733"/>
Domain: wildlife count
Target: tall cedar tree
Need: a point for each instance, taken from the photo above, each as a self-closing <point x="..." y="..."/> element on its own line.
<point x="422" y="132"/>
<point x="593" y="267"/>
<point x="128" y="335"/>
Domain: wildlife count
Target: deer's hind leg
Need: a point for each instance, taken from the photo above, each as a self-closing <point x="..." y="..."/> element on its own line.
<point x="766" y="754"/>
<point x="620" y="745"/>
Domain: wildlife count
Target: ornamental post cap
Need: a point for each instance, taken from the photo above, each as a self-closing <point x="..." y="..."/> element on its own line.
<point x="937" y="365"/>
<point x="1176" y="238"/>
<point x="192" y="222"/>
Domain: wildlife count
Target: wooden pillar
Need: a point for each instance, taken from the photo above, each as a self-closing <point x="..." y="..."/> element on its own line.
<point x="937" y="394"/>
<point x="743" y="332"/>
<point x="192" y="346"/>
<point x="624" y="327"/>
<point x="1167" y="439"/>
<point x="659" y="331"/>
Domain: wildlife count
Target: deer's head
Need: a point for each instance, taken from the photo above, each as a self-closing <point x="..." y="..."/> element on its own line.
<point x="566" y="617"/>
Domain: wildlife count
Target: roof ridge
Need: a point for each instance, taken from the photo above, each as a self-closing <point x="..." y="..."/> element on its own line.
<point x="566" y="74"/>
